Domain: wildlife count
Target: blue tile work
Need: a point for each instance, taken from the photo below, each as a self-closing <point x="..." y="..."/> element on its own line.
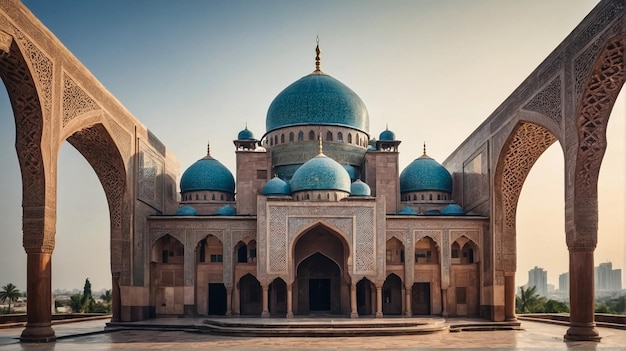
<point x="387" y="135"/>
<point x="321" y="173"/>
<point x="207" y="174"/>
<point x="186" y="211"/>
<point x="407" y="210"/>
<point x="317" y="99"/>
<point x="359" y="188"/>
<point x="276" y="186"/>
<point x="425" y="174"/>
<point x="453" y="210"/>
<point x="245" y="134"/>
<point x="226" y="210"/>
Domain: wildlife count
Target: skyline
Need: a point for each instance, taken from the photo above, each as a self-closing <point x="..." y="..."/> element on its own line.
<point x="431" y="71"/>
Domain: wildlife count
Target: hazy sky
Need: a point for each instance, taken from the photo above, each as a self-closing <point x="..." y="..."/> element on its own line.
<point x="198" y="71"/>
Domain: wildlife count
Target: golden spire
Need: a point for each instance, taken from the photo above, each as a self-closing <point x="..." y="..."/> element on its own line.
<point x="424" y="148"/>
<point x="317" y="57"/>
<point x="319" y="146"/>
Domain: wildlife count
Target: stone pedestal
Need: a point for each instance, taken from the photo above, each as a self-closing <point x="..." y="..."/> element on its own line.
<point x="509" y="297"/>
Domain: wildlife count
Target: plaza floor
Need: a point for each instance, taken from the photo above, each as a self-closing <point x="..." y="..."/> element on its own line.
<point x="90" y="335"/>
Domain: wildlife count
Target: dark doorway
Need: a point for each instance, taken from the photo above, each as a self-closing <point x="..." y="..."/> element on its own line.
<point x="217" y="299"/>
<point x="250" y="296"/>
<point x="392" y="295"/>
<point x="319" y="285"/>
<point x="319" y="294"/>
<point x="364" y="289"/>
<point x="420" y="298"/>
<point x="278" y="297"/>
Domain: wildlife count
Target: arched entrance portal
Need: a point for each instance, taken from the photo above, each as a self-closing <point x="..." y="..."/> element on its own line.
<point x="321" y="283"/>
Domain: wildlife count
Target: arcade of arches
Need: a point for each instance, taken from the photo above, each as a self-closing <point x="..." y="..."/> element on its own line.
<point x="339" y="230"/>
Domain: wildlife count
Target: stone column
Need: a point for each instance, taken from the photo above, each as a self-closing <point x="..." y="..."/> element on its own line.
<point x="379" y="301"/>
<point x="39" y="304"/>
<point x="407" y="304"/>
<point x="289" y="301"/>
<point x="353" y="307"/>
<point x="189" y="276"/>
<point x="444" y="303"/>
<point x="229" y="301"/>
<point x="266" y="311"/>
<point x="509" y="297"/>
<point x="581" y="295"/>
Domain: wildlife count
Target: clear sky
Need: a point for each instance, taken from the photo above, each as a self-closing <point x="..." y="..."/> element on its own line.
<point x="199" y="71"/>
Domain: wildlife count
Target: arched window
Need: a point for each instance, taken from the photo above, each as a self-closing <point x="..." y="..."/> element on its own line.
<point x="271" y="141"/>
<point x="282" y="138"/>
<point x="340" y="137"/>
<point x="300" y="136"/>
<point x="196" y="196"/>
<point x="438" y="196"/>
<point x="276" y="139"/>
<point x="422" y="196"/>
<point x="213" y="197"/>
<point x="329" y="136"/>
<point x="349" y="138"/>
<point x="205" y="196"/>
<point x="222" y="197"/>
<point x="430" y="197"/>
<point x="311" y="135"/>
<point x="414" y="197"/>
<point x="291" y="137"/>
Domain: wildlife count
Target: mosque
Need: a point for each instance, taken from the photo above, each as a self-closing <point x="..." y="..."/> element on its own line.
<point x="318" y="220"/>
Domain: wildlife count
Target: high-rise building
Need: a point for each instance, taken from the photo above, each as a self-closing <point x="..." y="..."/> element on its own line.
<point x="538" y="277"/>
<point x="606" y="278"/>
<point x="564" y="282"/>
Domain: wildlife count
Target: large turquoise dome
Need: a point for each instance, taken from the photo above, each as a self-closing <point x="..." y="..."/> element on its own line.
<point x="321" y="173"/>
<point x="207" y="174"/>
<point x="317" y="99"/>
<point x="425" y="174"/>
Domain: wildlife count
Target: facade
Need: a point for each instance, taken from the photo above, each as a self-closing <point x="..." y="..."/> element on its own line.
<point x="564" y="282"/>
<point x="318" y="220"/>
<point x="538" y="278"/>
<point x="606" y="278"/>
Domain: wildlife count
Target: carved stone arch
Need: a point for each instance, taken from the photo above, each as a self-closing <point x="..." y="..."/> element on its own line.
<point x="599" y="93"/>
<point x="396" y="234"/>
<point x="174" y="234"/>
<point x="338" y="232"/>
<point x="435" y="235"/>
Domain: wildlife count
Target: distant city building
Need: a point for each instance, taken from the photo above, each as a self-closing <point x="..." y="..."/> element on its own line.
<point x="538" y="277"/>
<point x="564" y="282"/>
<point x="606" y="278"/>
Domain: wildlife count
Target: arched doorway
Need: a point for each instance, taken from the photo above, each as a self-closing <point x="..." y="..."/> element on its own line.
<point x="167" y="272"/>
<point x="321" y="282"/>
<point x="392" y="295"/>
<point x="319" y="285"/>
<point x="250" y="295"/>
<point x="365" y="297"/>
<point x="278" y="297"/>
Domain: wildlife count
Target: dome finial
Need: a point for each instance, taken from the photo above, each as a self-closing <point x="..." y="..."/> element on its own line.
<point x="319" y="146"/>
<point x="387" y="126"/>
<point x="208" y="148"/>
<point x="424" y="148"/>
<point x="317" y="51"/>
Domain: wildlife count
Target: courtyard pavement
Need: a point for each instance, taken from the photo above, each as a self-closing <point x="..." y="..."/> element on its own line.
<point x="90" y="335"/>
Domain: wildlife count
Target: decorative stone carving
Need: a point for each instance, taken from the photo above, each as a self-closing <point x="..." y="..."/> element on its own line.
<point x="150" y="177"/>
<point x="548" y="101"/>
<point x="75" y="100"/>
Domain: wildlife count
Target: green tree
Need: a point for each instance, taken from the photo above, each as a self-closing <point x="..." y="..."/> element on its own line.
<point x="553" y="306"/>
<point x="87" y="288"/>
<point x="528" y="301"/>
<point x="79" y="304"/>
<point x="9" y="293"/>
<point x="107" y="297"/>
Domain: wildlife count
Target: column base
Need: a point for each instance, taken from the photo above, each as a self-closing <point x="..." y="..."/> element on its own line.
<point x="265" y="314"/>
<point x="511" y="319"/>
<point x="354" y="315"/>
<point x="289" y="315"/>
<point x="40" y="332"/>
<point x="582" y="332"/>
<point x="408" y="314"/>
<point x="379" y="315"/>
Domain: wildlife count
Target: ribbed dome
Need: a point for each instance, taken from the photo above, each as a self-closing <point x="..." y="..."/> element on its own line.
<point x="320" y="173"/>
<point x="207" y="174"/>
<point x="425" y="174"/>
<point x="453" y="210"/>
<point x="276" y="186"/>
<point x="245" y="134"/>
<point x="226" y="210"/>
<point x="186" y="211"/>
<point x="407" y="210"/>
<point x="317" y="99"/>
<point x="352" y="172"/>
<point x="387" y="135"/>
<point x="359" y="188"/>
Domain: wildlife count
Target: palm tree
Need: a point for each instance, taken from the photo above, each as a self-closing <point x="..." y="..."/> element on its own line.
<point x="106" y="297"/>
<point x="528" y="301"/>
<point x="11" y="293"/>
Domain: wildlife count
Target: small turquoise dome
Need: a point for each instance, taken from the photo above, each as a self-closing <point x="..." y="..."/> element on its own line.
<point x="317" y="99"/>
<point x="320" y="173"/>
<point x="387" y="135"/>
<point x="407" y="210"/>
<point x="453" y="210"/>
<point x="226" y="210"/>
<point x="207" y="174"/>
<point x="425" y="174"/>
<point x="276" y="186"/>
<point x="352" y="172"/>
<point x="359" y="188"/>
<point x="245" y="134"/>
<point x="186" y="210"/>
